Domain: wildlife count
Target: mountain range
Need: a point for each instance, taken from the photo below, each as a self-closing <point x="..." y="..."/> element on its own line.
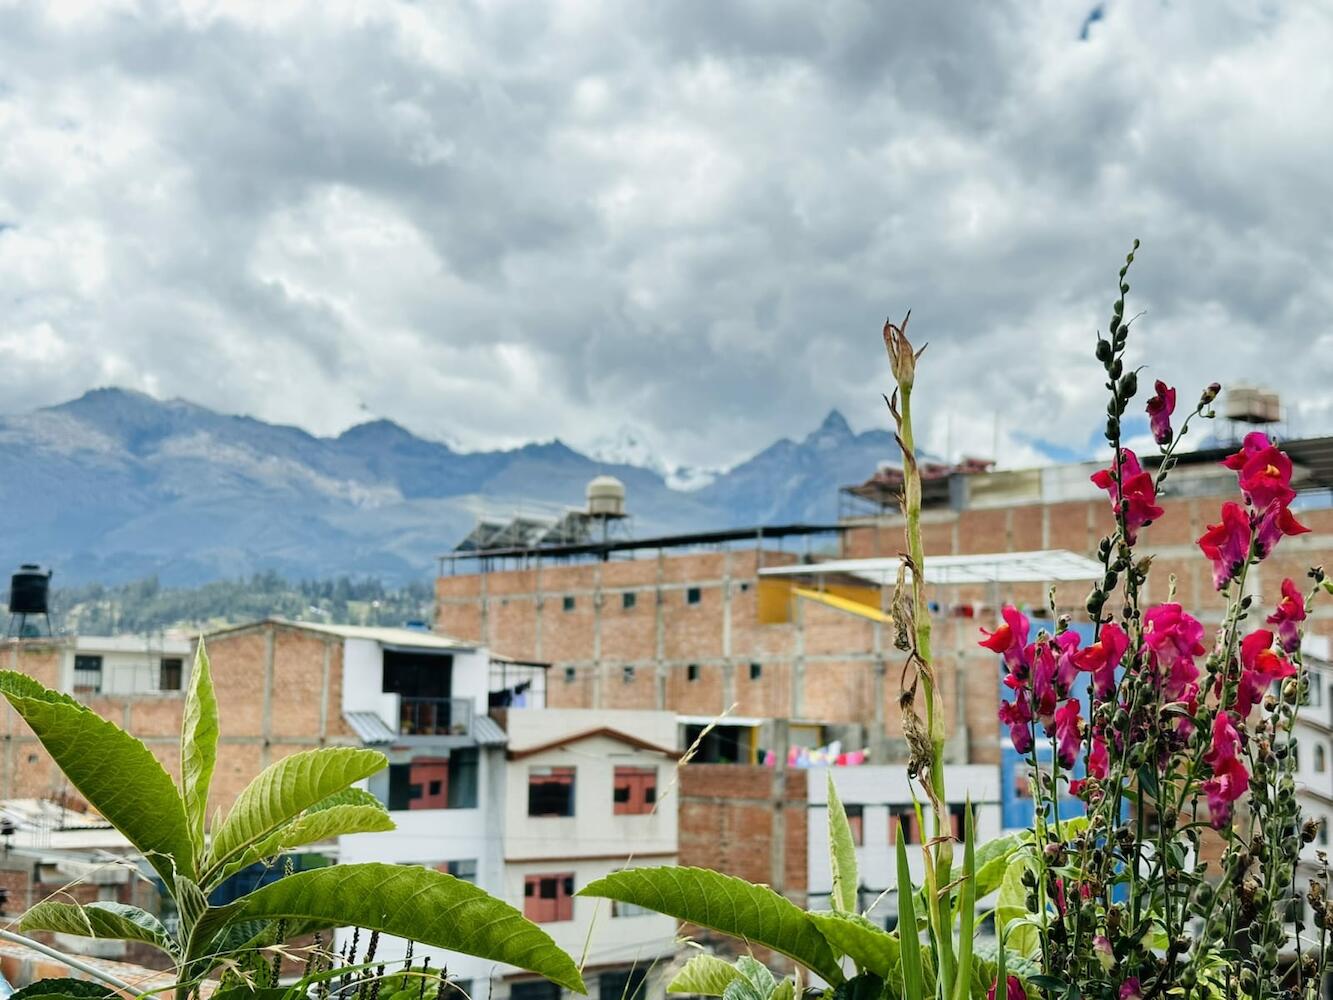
<point x="117" y="485"/>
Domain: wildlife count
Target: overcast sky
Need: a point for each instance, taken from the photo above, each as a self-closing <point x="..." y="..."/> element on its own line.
<point x="498" y="222"/>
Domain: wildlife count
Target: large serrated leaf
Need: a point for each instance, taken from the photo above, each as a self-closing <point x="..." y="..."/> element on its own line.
<point x="871" y="947"/>
<point x="842" y="854"/>
<point x="754" y="913"/>
<point x="406" y="901"/>
<point x="115" y="921"/>
<point x="199" y="745"/>
<point x="51" y="989"/>
<point x="349" y="797"/>
<point x="116" y="773"/>
<point x="1011" y="906"/>
<point x="703" y="975"/>
<point x="314" y="827"/>
<point x="753" y="981"/>
<point x="993" y="858"/>
<point x="283" y="791"/>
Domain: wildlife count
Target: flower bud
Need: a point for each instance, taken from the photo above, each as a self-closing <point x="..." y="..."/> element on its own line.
<point x="901" y="356"/>
<point x="1209" y="394"/>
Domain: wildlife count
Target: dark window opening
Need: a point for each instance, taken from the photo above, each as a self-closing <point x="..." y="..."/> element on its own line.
<point x="87" y="674"/>
<point x="435" y="782"/>
<point x="169" y="673"/>
<point x="628" y="600"/>
<point x="692" y="672"/>
<point x="693" y="595"/>
<point x="570" y="674"/>
<point x="722" y="745"/>
<point x="465" y="870"/>
<point x="627" y="985"/>
<point x="756" y="671"/>
<point x="418" y="675"/>
<point x="904" y="816"/>
<point x="856" y="820"/>
<point x="534" y="989"/>
<point x="567" y="603"/>
<point x="627" y="675"/>
<point x="551" y="791"/>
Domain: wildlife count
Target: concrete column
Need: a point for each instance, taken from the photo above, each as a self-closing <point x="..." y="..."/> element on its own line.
<point x="538" y="603"/>
<point x="324" y="691"/>
<point x="798" y="663"/>
<point x="728" y="667"/>
<point x="270" y="641"/>
<point x="777" y="873"/>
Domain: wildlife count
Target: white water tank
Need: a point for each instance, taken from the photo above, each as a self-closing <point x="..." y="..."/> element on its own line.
<point x="606" y="497"/>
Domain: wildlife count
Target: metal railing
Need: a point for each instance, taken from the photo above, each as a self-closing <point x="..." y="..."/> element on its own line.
<point x="434" y="716"/>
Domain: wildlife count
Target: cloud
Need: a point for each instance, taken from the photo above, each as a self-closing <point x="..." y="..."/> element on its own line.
<point x="497" y="222"/>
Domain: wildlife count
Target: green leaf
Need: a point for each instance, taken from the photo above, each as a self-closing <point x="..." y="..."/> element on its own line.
<point x="754" y="913"/>
<point x="703" y="975"/>
<point x="199" y="745"/>
<point x="422" y="905"/>
<point x="1011" y="906"/>
<point x="116" y="921"/>
<point x="842" y="854"/>
<point x="871" y="947"/>
<point x="910" y="945"/>
<point x="866" y="986"/>
<point x="967" y="904"/>
<point x="78" y="989"/>
<point x="753" y="981"/>
<point x="348" y="797"/>
<point x="283" y="791"/>
<point x="318" y="824"/>
<point x="785" y="990"/>
<point x="116" y="773"/>
<point x="993" y="859"/>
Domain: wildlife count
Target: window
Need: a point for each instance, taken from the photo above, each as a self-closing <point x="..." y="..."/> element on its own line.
<point x="619" y="909"/>
<point x="720" y="745"/>
<point x="628" y="600"/>
<point x="570" y="674"/>
<point x="1022" y="785"/>
<point x="170" y="669"/>
<point x="627" y="675"/>
<point x="435" y="782"/>
<point x="1321" y="838"/>
<point x="1320" y="758"/>
<point x="692" y="672"/>
<point x="548" y="898"/>
<point x="465" y="870"/>
<point x="551" y="791"/>
<point x="744" y="587"/>
<point x="1314" y="695"/>
<point x="906" y="817"/>
<point x="417" y="675"/>
<point x="756" y="671"/>
<point x="534" y="989"/>
<point x="856" y="820"/>
<point x="957" y="818"/>
<point x="634" y="791"/>
<point x="693" y="595"/>
<point x="568" y="602"/>
<point x="627" y="985"/>
<point x="87" y="674"/>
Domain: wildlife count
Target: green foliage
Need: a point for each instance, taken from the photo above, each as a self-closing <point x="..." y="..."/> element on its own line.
<point x="52" y="989"/>
<point x="720" y="902"/>
<point x="703" y="975"/>
<point x="842" y="853"/>
<point x="301" y="799"/>
<point x="914" y="980"/>
<point x="871" y="947"/>
<point x="753" y="981"/>
<point x="967" y="905"/>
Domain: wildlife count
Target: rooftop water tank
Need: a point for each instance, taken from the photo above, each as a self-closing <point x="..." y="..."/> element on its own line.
<point x="29" y="590"/>
<point x="1246" y="404"/>
<point x="606" y="497"/>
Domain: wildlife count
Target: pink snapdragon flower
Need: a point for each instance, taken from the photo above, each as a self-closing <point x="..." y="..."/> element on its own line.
<point x="1266" y="476"/>
<point x="1276" y="522"/>
<point x="1160" y="408"/>
<point x="1172" y="634"/>
<point x="1101" y="947"/>
<point x="1227" y="543"/>
<point x="1289" y="615"/>
<point x="1102" y="657"/>
<point x="1010" y="640"/>
<point x="1136" y="497"/>
<point x="1066" y="667"/>
<point x="1130" y="989"/>
<point x="1226" y="741"/>
<point x="1229" y="782"/>
<point x="1017" y="715"/>
<point x="1068" y="733"/>
<point x="1013" y="990"/>
<point x="1261" y="667"/>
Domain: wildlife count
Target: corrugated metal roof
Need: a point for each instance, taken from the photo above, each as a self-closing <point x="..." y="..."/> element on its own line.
<point x="370" y="727"/>
<point x="1049" y="566"/>
<point x="402" y="638"/>
<point x="488" y="733"/>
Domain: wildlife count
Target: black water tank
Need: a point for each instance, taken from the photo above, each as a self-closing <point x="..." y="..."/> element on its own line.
<point x="29" y="589"/>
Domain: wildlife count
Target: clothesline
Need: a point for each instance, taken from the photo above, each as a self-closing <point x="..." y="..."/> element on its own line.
<point x="831" y="755"/>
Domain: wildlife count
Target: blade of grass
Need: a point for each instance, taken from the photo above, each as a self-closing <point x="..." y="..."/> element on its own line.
<point x="909" y="941"/>
<point x="967" y="907"/>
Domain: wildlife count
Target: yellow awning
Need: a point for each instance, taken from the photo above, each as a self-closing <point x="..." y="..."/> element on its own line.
<point x="844" y="604"/>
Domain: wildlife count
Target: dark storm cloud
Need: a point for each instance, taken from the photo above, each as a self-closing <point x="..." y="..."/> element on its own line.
<point x="499" y="222"/>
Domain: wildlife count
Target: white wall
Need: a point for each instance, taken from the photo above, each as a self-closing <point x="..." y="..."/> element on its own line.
<point x="131" y="664"/>
<point x="530" y="727"/>
<point x="363" y="680"/>
<point x="875" y="788"/>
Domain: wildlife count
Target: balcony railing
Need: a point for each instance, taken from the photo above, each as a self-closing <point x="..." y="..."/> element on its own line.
<point x="434" y="716"/>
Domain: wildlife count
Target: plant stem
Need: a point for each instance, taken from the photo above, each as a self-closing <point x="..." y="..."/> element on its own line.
<point x="69" y="960"/>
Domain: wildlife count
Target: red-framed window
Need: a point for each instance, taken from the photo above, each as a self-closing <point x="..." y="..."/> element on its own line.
<point x="856" y="820"/>
<point x="548" y="898"/>
<point x="906" y="816"/>
<point x="428" y="779"/>
<point x="634" y="791"/>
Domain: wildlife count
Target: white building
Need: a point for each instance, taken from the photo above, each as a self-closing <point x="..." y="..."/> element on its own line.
<point x="877" y="798"/>
<point x="155" y="663"/>
<point x="1314" y="749"/>
<point x="528" y="803"/>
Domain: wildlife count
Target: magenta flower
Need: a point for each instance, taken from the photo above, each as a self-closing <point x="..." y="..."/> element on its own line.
<point x="1171" y="633"/>
<point x="1010" y="640"/>
<point x="1066" y="667"/>
<point x="1227" y="543"/>
<point x="1289" y="615"/>
<point x="1130" y="989"/>
<point x="1255" y="442"/>
<point x="1229" y="782"/>
<point x="1013" y="989"/>
<point x="1225" y="744"/>
<point x="1045" y="697"/>
<point x="1101" y="946"/>
<point x="1068" y="733"/>
<point x="1276" y="523"/>
<point x="1136" y="497"/>
<point x="1266" y="476"/>
<point x="1102" y="657"/>
<point x="1017" y="715"/>
<point x="1099" y="762"/>
<point x="1160" y="408"/>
